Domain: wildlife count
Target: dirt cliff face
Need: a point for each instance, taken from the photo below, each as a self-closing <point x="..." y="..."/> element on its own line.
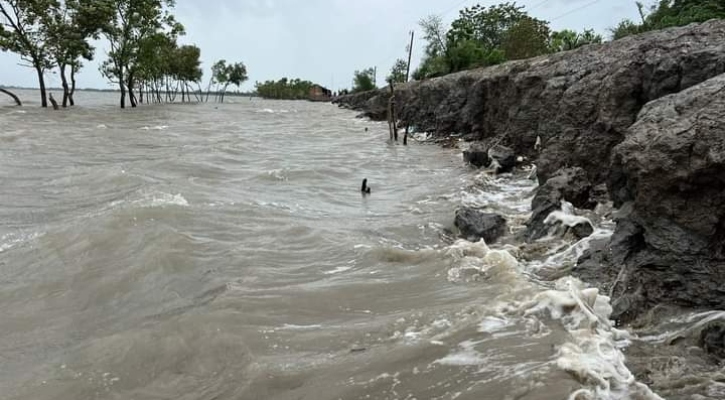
<point x="580" y="102"/>
<point x="669" y="173"/>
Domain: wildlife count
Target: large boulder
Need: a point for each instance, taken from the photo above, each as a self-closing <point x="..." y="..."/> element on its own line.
<point x="503" y="157"/>
<point x="580" y="103"/>
<point x="568" y="184"/>
<point x="477" y="155"/>
<point x="668" y="177"/>
<point x="476" y="225"/>
<point x="712" y="339"/>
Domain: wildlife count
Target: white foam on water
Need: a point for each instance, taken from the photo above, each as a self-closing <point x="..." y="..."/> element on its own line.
<point x="154" y="128"/>
<point x="166" y="199"/>
<point x="153" y="199"/>
<point x="338" y="270"/>
<point x="271" y="111"/>
<point x="572" y="252"/>
<point x="10" y="240"/>
<point x="684" y="326"/>
<point x="594" y="353"/>
<point x="474" y="261"/>
<point x="293" y="327"/>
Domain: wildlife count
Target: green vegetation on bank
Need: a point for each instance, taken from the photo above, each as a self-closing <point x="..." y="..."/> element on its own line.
<point x="669" y="13"/>
<point x="488" y="35"/>
<point x="483" y="36"/>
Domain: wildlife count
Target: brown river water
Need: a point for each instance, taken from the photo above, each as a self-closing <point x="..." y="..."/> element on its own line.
<point x="224" y="251"/>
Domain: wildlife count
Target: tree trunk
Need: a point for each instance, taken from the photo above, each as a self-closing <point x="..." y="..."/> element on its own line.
<point x="53" y="102"/>
<point x="41" y="83"/>
<point x="17" y="100"/>
<point x="72" y="85"/>
<point x="131" y="96"/>
<point x="224" y="92"/>
<point x="208" y="90"/>
<point x="190" y="90"/>
<point x="64" y="82"/>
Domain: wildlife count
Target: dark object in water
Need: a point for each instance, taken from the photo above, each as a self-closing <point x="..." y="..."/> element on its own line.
<point x="366" y="129"/>
<point x="365" y="189"/>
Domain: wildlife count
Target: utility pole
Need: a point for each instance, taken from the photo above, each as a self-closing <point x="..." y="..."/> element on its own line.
<point x="375" y="76"/>
<point x="410" y="55"/>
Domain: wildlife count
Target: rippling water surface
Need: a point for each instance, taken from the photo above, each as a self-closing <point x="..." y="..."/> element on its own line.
<point x="214" y="251"/>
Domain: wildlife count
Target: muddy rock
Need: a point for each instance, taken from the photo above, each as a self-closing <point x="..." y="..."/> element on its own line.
<point x="668" y="178"/>
<point x="569" y="184"/>
<point x="712" y="340"/>
<point x="476" y="225"/>
<point x="477" y="155"/>
<point x="504" y="157"/>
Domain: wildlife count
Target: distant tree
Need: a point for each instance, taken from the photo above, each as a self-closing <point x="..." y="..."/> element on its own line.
<point x="476" y="38"/>
<point x="434" y="34"/>
<point x="284" y="89"/>
<point x="566" y="39"/>
<point x="398" y="71"/>
<point x="20" y="33"/>
<point x="68" y="26"/>
<point x="133" y="26"/>
<point x="529" y="37"/>
<point x="224" y="75"/>
<point x="186" y="67"/>
<point x="236" y="75"/>
<point x="668" y="13"/>
<point x="364" y="80"/>
<point x="626" y="28"/>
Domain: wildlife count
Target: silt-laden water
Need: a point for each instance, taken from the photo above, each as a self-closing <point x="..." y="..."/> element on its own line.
<point x="224" y="251"/>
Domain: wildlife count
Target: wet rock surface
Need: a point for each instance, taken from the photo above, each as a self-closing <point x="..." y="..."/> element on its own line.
<point x="712" y="340"/>
<point x="477" y="155"/>
<point x="569" y="184"/>
<point x="668" y="178"/>
<point x="475" y="225"/>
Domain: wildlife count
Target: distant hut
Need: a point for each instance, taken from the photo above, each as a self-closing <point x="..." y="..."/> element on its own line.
<point x="320" y="93"/>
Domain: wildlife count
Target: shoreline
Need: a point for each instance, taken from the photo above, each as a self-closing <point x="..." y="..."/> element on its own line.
<point x="637" y="122"/>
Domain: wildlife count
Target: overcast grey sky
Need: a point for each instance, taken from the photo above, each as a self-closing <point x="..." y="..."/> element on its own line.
<point x="324" y="41"/>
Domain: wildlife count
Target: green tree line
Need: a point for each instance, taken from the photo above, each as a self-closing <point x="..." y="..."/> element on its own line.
<point x="669" y="13"/>
<point x="483" y="36"/>
<point x="488" y="35"/>
<point x="144" y="59"/>
<point x="284" y="89"/>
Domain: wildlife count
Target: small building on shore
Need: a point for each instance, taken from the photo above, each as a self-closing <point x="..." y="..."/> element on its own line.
<point x="320" y="93"/>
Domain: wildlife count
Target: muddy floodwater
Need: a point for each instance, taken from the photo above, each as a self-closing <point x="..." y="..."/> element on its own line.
<point x="225" y="251"/>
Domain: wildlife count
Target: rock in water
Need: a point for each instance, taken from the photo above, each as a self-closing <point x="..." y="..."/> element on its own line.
<point x="504" y="157"/>
<point x="712" y="340"/>
<point x="477" y="155"/>
<point x="582" y="229"/>
<point x="668" y="178"/>
<point x="570" y="184"/>
<point x="476" y="225"/>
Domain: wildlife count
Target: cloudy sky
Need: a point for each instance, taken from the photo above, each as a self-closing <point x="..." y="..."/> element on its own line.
<point x="324" y="41"/>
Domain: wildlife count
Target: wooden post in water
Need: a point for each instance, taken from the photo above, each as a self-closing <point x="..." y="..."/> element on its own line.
<point x="392" y="123"/>
<point x="52" y="101"/>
